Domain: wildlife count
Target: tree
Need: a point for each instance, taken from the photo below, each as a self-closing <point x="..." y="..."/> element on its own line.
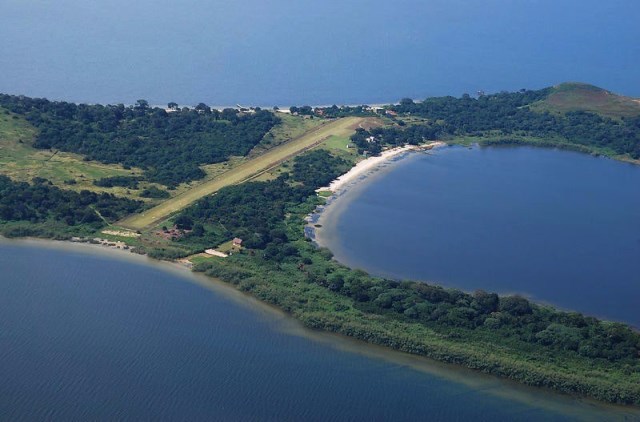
<point x="142" y="105"/>
<point x="183" y="222"/>
<point x="202" y="108"/>
<point x="173" y="106"/>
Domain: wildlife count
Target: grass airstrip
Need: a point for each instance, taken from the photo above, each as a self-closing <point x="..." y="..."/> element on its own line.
<point x="251" y="168"/>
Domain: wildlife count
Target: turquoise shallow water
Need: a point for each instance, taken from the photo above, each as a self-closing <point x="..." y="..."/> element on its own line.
<point x="87" y="337"/>
<point x="557" y="226"/>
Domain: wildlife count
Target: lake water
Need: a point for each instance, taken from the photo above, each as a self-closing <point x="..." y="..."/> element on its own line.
<point x="559" y="227"/>
<point x="318" y="52"/>
<point x="86" y="336"/>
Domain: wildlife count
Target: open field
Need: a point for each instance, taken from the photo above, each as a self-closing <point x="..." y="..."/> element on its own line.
<point x="335" y="144"/>
<point x="291" y="127"/>
<point x="20" y="161"/>
<point x="245" y="171"/>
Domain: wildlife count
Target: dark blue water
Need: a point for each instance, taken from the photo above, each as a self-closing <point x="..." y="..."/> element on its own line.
<point x="557" y="226"/>
<point x="318" y="52"/>
<point x="85" y="337"/>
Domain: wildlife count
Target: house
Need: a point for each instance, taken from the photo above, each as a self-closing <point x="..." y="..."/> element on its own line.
<point x="391" y="113"/>
<point x="237" y="242"/>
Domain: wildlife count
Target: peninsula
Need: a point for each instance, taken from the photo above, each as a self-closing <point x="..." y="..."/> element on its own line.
<point x="173" y="183"/>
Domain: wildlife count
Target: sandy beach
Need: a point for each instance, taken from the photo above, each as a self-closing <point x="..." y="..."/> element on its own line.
<point x="371" y="163"/>
<point x="331" y="209"/>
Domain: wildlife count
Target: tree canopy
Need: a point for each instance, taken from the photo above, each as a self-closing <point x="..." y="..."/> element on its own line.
<point x="170" y="147"/>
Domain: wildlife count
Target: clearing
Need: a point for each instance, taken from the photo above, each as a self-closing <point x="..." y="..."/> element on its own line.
<point x="20" y="161"/>
<point x="245" y="171"/>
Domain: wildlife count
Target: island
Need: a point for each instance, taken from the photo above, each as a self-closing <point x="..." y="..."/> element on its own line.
<point x="228" y="192"/>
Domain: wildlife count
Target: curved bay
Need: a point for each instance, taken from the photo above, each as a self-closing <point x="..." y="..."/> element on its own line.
<point x="556" y="226"/>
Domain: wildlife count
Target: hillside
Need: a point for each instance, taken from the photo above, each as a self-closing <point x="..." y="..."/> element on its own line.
<point x="573" y="96"/>
<point x="519" y="118"/>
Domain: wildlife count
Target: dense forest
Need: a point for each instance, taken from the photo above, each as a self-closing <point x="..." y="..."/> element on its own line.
<point x="509" y="114"/>
<point x="255" y="211"/>
<point x="41" y="202"/>
<point x="169" y="146"/>
<point x="373" y="140"/>
<point x="318" y="168"/>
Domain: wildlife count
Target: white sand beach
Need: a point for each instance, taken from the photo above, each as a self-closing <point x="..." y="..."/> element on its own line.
<point x="371" y="163"/>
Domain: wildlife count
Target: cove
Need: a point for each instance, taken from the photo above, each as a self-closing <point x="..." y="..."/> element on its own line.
<point x="558" y="227"/>
<point x="89" y="336"/>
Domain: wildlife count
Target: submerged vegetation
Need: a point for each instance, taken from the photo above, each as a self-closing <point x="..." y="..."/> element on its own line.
<point x="503" y="335"/>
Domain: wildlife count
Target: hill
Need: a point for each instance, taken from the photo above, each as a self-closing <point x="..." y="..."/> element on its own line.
<point x="574" y="96"/>
<point x="530" y="117"/>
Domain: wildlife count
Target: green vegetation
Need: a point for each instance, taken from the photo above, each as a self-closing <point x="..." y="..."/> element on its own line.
<point x="154" y="192"/>
<point x="503" y="335"/>
<point x="342" y="147"/>
<point x="510" y="116"/>
<point x="506" y="336"/>
<point x="41" y="209"/>
<point x="122" y="181"/>
<point x="244" y="171"/>
<point x="21" y="161"/>
<point x="260" y="221"/>
<point x="318" y="168"/>
<point x="570" y="97"/>
<point x="290" y="127"/>
<point x="170" y="147"/>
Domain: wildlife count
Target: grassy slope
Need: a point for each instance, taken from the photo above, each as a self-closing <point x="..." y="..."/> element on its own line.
<point x="246" y="170"/>
<point x="583" y="97"/>
<point x="568" y="97"/>
<point x="20" y="161"/>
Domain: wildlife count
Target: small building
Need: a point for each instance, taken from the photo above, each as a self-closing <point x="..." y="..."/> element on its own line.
<point x="237" y="242"/>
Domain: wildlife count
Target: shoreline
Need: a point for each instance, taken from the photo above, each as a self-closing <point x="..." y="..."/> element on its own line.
<point x="327" y="324"/>
<point x="370" y="164"/>
<point x="284" y="322"/>
<point x="352" y="178"/>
